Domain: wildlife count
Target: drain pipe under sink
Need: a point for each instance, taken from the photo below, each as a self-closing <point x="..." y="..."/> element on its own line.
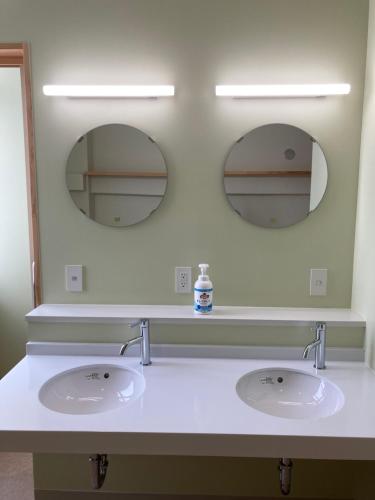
<point x="99" y="466"/>
<point x="285" y="469"/>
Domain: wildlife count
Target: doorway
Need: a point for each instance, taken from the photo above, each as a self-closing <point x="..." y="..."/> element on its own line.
<point x="20" y="288"/>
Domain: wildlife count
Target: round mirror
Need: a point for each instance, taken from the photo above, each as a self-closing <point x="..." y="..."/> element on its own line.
<point x="116" y="175"/>
<point x="275" y="175"/>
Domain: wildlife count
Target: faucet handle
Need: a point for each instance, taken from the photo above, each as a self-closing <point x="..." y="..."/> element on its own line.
<point x="135" y="323"/>
<point x="317" y="328"/>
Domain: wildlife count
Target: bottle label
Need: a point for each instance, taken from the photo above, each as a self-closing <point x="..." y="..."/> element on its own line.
<point x="203" y="300"/>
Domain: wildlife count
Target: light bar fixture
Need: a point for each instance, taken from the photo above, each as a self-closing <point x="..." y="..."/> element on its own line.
<point x="303" y="90"/>
<point x="109" y="90"/>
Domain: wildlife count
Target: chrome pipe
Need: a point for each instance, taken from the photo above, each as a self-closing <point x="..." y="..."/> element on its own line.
<point x="320" y="350"/>
<point x="128" y="344"/>
<point x="143" y="340"/>
<point x="319" y="344"/>
<point x="145" y="343"/>
<point x="308" y="348"/>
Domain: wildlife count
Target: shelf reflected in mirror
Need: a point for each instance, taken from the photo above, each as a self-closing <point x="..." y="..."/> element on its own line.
<point x="116" y="175"/>
<point x="275" y="175"/>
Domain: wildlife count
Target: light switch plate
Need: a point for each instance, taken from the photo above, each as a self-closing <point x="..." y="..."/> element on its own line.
<point x="73" y="278"/>
<point x="318" y="281"/>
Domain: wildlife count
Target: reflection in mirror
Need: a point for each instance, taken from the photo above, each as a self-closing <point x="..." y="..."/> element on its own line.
<point x="275" y="175"/>
<point x="116" y="175"/>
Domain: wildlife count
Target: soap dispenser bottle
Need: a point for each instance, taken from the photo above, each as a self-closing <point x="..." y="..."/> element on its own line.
<point x="203" y="292"/>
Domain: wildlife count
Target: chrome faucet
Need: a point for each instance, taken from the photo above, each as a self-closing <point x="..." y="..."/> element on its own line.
<point x="319" y="344"/>
<point x="143" y="339"/>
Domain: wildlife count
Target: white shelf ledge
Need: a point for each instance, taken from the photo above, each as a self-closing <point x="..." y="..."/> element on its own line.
<point x="224" y="315"/>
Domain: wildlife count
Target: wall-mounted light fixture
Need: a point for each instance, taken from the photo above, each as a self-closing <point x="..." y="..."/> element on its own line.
<point x="109" y="90"/>
<point x="303" y="90"/>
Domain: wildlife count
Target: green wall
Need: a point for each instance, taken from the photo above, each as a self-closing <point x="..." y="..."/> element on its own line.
<point x="194" y="44"/>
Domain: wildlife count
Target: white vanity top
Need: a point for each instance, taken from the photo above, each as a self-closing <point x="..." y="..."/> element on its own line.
<point x="189" y="407"/>
<point x="225" y="315"/>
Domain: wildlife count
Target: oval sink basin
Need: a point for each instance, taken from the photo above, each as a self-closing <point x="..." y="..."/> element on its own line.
<point x="91" y="389"/>
<point x="289" y="393"/>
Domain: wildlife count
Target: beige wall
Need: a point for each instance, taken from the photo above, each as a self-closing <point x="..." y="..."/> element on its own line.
<point x="194" y="44"/>
<point x="364" y="269"/>
<point x="15" y="275"/>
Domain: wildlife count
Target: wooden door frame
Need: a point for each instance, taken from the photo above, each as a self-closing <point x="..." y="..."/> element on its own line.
<point x="17" y="55"/>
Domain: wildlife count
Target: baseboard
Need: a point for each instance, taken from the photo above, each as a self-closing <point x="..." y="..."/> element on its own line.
<point x="84" y="495"/>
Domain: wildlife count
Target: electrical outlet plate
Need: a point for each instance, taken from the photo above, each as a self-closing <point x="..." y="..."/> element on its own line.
<point x="318" y="281"/>
<point x="182" y="279"/>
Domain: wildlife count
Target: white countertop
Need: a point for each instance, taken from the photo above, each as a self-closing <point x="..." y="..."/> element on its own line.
<point x="224" y="315"/>
<point x="189" y="407"/>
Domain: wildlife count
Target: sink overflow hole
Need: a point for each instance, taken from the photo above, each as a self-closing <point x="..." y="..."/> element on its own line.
<point x="280" y="379"/>
<point x="106" y="375"/>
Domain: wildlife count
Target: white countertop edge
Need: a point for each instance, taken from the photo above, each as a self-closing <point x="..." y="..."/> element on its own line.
<point x="176" y="314"/>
